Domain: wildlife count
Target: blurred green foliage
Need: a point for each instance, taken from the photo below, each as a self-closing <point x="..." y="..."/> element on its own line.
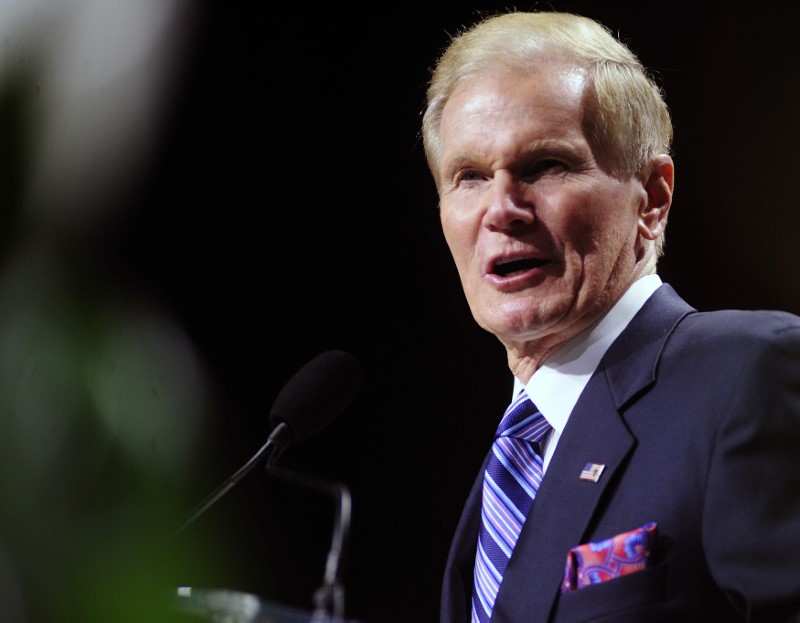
<point x="104" y="404"/>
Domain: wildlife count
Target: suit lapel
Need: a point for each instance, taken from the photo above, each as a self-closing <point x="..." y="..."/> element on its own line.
<point x="458" y="577"/>
<point x="595" y="433"/>
<point x="564" y="506"/>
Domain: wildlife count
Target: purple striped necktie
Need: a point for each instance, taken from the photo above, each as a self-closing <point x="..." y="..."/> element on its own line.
<point x="511" y="480"/>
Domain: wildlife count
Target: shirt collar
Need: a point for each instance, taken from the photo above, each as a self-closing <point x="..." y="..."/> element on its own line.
<point x="556" y="386"/>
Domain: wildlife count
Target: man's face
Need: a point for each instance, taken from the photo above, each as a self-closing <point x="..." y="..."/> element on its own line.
<point x="544" y="238"/>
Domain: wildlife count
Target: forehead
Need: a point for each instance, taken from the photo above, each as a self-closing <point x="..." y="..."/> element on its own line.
<point x="492" y="108"/>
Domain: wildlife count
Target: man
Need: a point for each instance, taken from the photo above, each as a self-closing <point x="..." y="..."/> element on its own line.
<point x="658" y="480"/>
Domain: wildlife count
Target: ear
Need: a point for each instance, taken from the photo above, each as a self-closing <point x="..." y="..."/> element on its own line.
<point x="659" y="182"/>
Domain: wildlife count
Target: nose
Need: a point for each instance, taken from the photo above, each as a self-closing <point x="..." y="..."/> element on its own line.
<point x="507" y="207"/>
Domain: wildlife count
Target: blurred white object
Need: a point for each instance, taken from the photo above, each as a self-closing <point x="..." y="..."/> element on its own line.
<point x="102" y="73"/>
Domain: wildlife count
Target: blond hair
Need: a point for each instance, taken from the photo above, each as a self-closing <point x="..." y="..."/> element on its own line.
<point x="627" y="120"/>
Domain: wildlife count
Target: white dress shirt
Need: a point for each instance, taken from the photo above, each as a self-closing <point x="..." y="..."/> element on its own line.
<point x="557" y="385"/>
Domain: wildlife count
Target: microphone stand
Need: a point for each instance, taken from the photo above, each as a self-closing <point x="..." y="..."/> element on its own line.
<point x="328" y="598"/>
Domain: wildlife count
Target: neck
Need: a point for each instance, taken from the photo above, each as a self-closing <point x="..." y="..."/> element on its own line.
<point x="526" y="358"/>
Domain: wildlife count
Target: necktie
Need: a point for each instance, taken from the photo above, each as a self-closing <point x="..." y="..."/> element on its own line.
<point x="511" y="480"/>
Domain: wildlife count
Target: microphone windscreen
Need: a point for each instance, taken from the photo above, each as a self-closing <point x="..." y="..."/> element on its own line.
<point x="317" y="393"/>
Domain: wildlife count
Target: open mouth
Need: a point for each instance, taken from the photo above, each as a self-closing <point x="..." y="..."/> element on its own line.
<point x="517" y="266"/>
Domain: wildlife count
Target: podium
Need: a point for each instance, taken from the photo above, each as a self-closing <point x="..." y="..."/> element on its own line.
<point x="220" y="605"/>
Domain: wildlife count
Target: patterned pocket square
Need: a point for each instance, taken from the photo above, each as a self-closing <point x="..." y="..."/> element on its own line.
<point x="593" y="563"/>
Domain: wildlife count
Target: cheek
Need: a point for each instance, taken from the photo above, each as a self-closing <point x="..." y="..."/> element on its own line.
<point x="593" y="230"/>
<point x="457" y="234"/>
<point x="451" y="238"/>
<point x="581" y="231"/>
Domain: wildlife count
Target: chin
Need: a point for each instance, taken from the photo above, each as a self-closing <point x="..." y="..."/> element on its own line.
<point x="514" y="329"/>
<point x="524" y="320"/>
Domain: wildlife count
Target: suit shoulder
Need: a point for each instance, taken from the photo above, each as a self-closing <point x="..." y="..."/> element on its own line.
<point x="751" y="358"/>
<point x="738" y="335"/>
<point x="740" y="323"/>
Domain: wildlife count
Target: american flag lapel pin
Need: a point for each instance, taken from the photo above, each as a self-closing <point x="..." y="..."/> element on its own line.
<point x="592" y="471"/>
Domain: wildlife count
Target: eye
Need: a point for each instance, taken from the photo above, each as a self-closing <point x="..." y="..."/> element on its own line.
<point x="470" y="175"/>
<point x="547" y="166"/>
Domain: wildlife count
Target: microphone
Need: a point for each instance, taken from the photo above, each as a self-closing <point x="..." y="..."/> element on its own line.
<point x="311" y="399"/>
<point x="337" y="377"/>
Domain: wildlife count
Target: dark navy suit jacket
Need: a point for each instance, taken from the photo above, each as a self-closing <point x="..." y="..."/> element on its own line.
<point x="696" y="417"/>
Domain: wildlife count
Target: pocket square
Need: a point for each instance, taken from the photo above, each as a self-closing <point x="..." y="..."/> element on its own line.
<point x="593" y="563"/>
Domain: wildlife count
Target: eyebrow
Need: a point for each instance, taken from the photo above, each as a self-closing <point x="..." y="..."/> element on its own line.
<point x="551" y="145"/>
<point x="468" y="157"/>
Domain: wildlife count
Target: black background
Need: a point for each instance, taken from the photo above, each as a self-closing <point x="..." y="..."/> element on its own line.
<point x="289" y="211"/>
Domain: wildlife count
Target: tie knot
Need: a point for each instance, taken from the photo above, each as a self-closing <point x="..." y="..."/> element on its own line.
<point x="523" y="420"/>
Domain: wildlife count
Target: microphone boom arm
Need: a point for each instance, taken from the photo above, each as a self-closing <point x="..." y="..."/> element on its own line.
<point x="269" y="451"/>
